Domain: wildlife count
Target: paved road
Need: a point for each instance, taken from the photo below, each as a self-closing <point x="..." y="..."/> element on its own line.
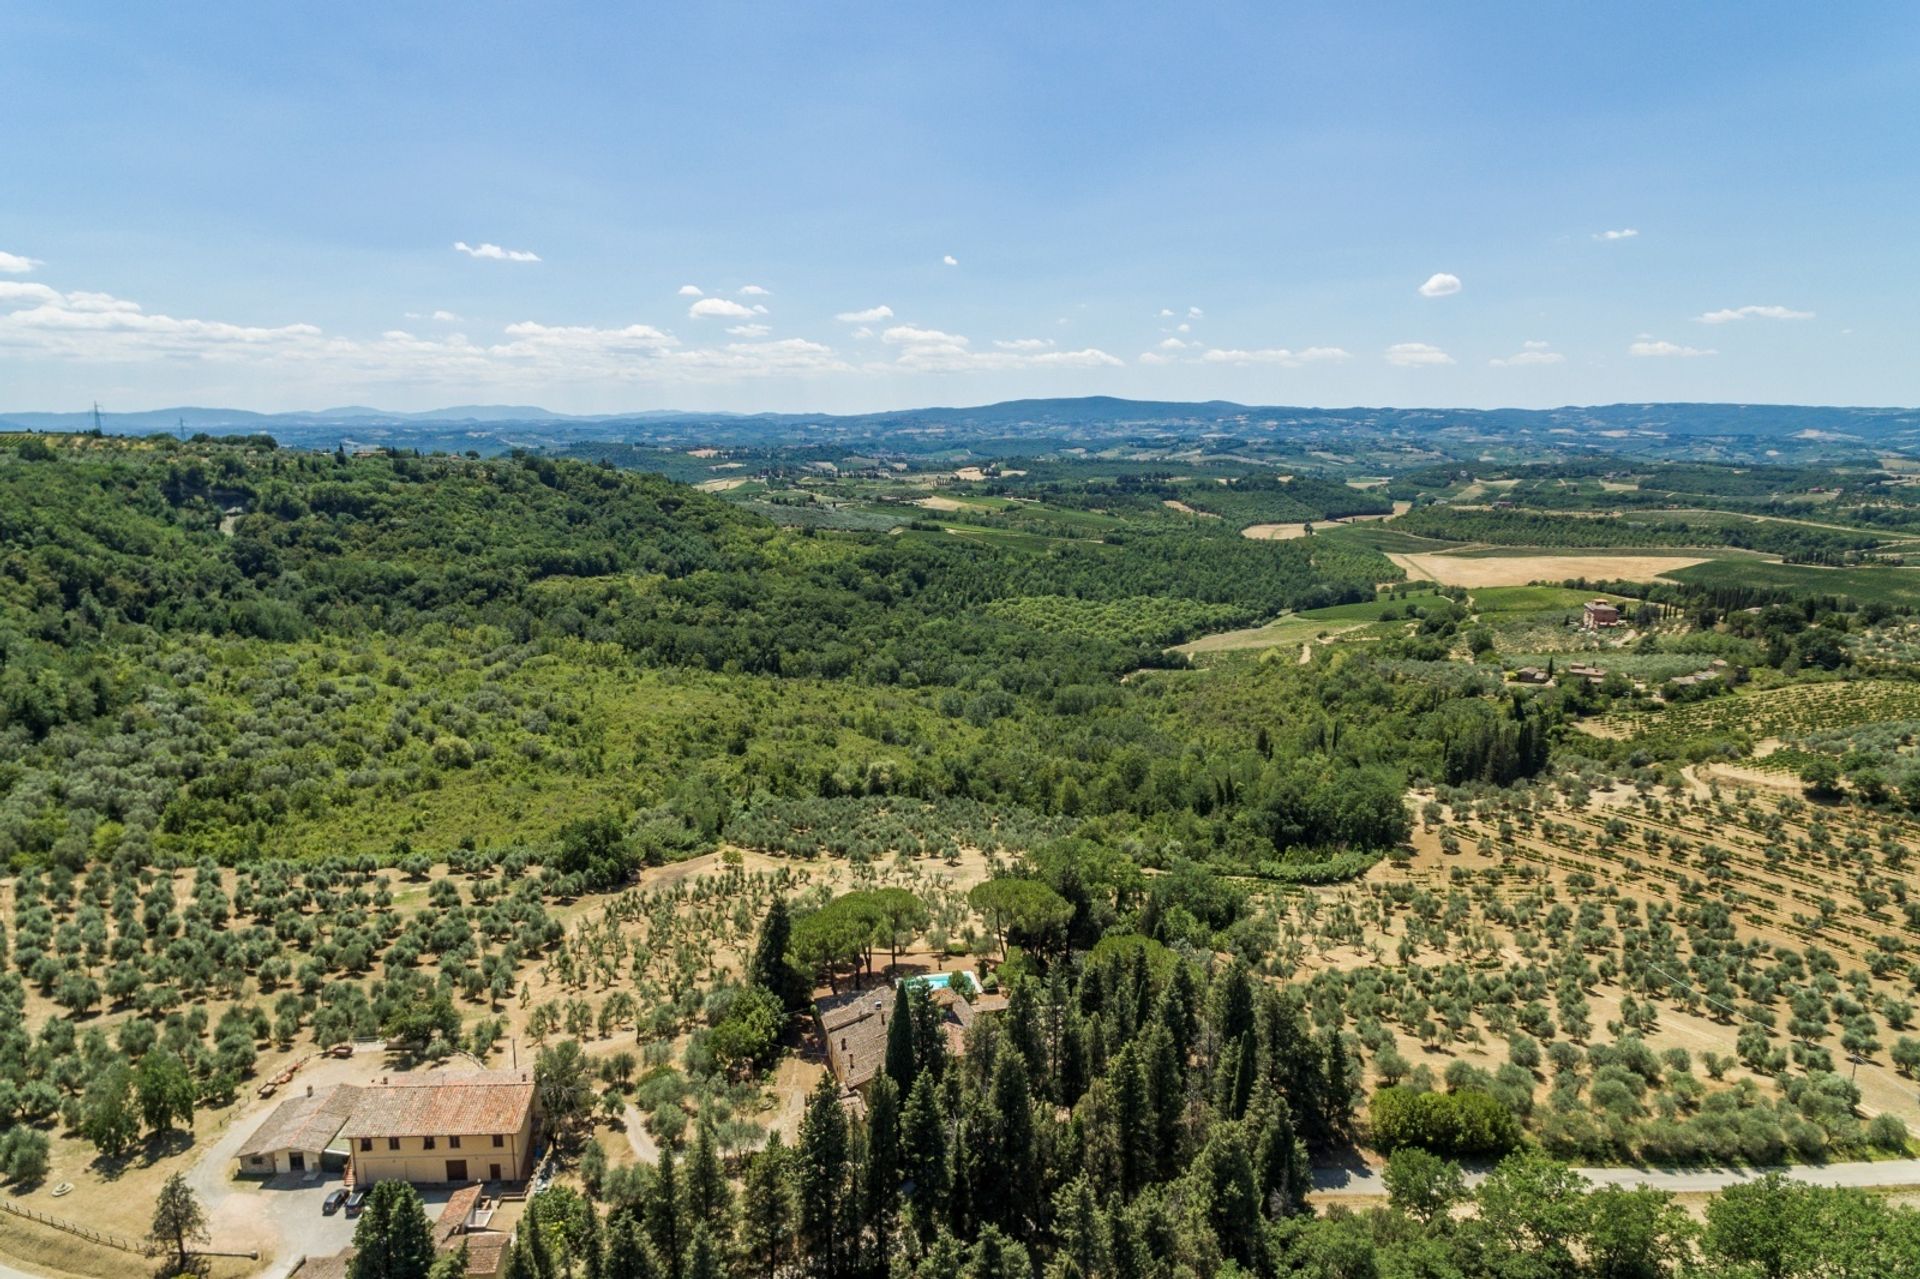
<point x="1892" y="1172"/>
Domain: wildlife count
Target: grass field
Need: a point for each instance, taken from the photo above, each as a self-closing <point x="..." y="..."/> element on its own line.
<point x="1889" y="585"/>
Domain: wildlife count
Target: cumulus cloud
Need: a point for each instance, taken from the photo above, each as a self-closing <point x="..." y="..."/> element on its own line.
<point x="936" y="351"/>
<point x="1530" y="353"/>
<point x="1172" y="344"/>
<point x="1661" y="349"/>
<point x="872" y="315"/>
<point x="1023" y="344"/>
<point x="446" y="317"/>
<point x="1277" y="355"/>
<point x="720" y="309"/>
<point x="1194" y="313"/>
<point x="950" y="260"/>
<point x="691" y="291"/>
<point x="755" y="291"/>
<point x="1413" y="355"/>
<point x="15" y="264"/>
<point x="748" y="330"/>
<point x="494" y="253"/>
<point x="1439" y="285"/>
<point x="1624" y="233"/>
<point x="1732" y="313"/>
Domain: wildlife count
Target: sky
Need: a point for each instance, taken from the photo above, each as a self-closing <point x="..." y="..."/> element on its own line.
<point x="839" y="207"/>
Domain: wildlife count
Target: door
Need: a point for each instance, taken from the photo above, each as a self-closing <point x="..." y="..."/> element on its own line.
<point x="493" y="1172"/>
<point x="297" y="1161"/>
<point x="456" y="1170"/>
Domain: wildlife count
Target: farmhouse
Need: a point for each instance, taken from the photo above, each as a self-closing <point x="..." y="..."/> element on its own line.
<point x="1601" y="614"/>
<point x="1531" y="675"/>
<point x="296" y="1135"/>
<point x="441" y="1127"/>
<point x="855" y="1025"/>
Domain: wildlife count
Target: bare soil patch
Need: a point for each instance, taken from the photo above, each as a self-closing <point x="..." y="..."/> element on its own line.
<point x="1519" y="570"/>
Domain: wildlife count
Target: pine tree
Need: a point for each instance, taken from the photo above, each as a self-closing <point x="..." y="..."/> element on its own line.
<point x="703" y="1258"/>
<point x="629" y="1255"/>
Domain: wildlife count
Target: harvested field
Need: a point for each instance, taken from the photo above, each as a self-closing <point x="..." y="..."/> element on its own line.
<point x="1519" y="570"/>
<point x="722" y="485"/>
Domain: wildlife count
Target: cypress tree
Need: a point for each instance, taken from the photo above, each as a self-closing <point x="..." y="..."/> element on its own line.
<point x="708" y="1197"/>
<point x="766" y="1211"/>
<point x="821" y="1175"/>
<point x="664" y="1215"/>
<point x="924" y="1157"/>
<point x="881" y="1191"/>
<point x="903" y="1059"/>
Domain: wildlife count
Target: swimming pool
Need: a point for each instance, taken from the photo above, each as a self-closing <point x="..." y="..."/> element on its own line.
<point x="940" y="981"/>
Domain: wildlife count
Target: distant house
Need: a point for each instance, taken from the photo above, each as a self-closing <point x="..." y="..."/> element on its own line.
<point x="1530" y="675"/>
<point x="443" y="1127"/>
<point x="855" y="1024"/>
<point x="1600" y="614"/>
<point x="296" y="1135"/>
<point x="1580" y="670"/>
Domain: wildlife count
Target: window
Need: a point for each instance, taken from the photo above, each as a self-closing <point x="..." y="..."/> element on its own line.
<point x="453" y="1143"/>
<point x="393" y="1143"/>
<point x="429" y="1142"/>
<point x="366" y="1143"/>
<point x="498" y="1140"/>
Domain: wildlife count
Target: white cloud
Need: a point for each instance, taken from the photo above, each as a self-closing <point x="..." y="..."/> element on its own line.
<point x="1277" y="355"/>
<point x="755" y="291"/>
<point x="1624" y="233"/>
<point x="1732" y="313"/>
<point x="1154" y="357"/>
<point x="1023" y="344"/>
<point x="1530" y="353"/>
<point x="1166" y="313"/>
<point x="935" y="351"/>
<point x="494" y="253"/>
<point x="749" y="330"/>
<point x="863" y="332"/>
<point x="1194" y="313"/>
<point x="1410" y="355"/>
<point x="720" y="309"/>
<point x="914" y="336"/>
<point x="691" y="291"/>
<point x="1439" y="285"/>
<point x="447" y="317"/>
<point x="1172" y="344"/>
<point x="950" y="260"/>
<point x="872" y="315"/>
<point x="1662" y="349"/>
<point x="15" y="264"/>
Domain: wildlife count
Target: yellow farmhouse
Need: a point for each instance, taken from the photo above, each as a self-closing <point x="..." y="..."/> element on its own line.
<point x="442" y="1128"/>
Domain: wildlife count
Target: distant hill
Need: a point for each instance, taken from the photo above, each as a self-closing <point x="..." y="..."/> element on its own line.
<point x="1737" y="432"/>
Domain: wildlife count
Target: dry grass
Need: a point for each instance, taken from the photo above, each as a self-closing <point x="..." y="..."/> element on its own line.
<point x="1520" y="570"/>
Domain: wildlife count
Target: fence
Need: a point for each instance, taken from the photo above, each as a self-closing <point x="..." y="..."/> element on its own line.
<point x="72" y="1228"/>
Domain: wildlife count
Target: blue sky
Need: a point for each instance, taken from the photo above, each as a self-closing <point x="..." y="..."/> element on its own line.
<point x="258" y="205"/>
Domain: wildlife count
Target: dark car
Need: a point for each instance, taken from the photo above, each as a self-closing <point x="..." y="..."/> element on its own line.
<point x="355" y="1202"/>
<point x="331" y="1204"/>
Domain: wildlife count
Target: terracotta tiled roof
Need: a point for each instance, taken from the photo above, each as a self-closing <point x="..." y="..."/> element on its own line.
<point x="453" y="1217"/>
<point x="303" y="1123"/>
<point x="495" y="1101"/>
<point x="486" y="1254"/>
<point x="332" y="1266"/>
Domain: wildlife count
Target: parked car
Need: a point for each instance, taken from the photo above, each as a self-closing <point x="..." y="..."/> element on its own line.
<point x="331" y="1204"/>
<point x="355" y="1202"/>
